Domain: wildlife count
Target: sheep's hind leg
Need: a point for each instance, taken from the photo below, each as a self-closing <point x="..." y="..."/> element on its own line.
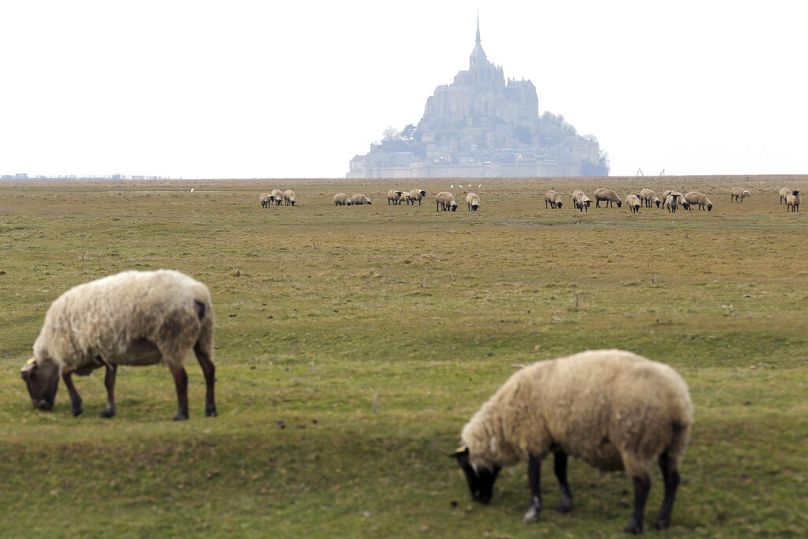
<point x="75" y="398"/>
<point x="670" y="475"/>
<point x="109" y="384"/>
<point x="209" y="370"/>
<point x="560" y="469"/>
<point x="642" y="486"/>
<point x="534" y="478"/>
<point x="181" y="383"/>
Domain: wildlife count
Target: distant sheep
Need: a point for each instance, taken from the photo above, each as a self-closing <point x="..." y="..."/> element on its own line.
<point x="342" y="199"/>
<point x="416" y="195"/>
<point x="277" y="197"/>
<point x="680" y="200"/>
<point x="612" y="409"/>
<point x="647" y="197"/>
<point x="553" y="199"/>
<point x="360" y="199"/>
<point x="608" y="196"/>
<point x="289" y="197"/>
<point x="694" y="198"/>
<point x="671" y="202"/>
<point x="473" y="201"/>
<point x="445" y="201"/>
<point x="130" y="318"/>
<point x="582" y="203"/>
<point x="265" y="200"/>
<point x="394" y="197"/>
<point x="784" y="192"/>
<point x="793" y="201"/>
<point x="738" y="194"/>
<point x="633" y="203"/>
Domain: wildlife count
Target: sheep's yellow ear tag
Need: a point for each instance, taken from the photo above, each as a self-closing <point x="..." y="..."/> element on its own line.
<point x="460" y="451"/>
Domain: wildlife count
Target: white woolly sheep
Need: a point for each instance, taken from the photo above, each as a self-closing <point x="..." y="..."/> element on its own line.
<point x="576" y="194"/>
<point x="614" y="410"/>
<point x="445" y="201"/>
<point x="694" y="198"/>
<point x="680" y="199"/>
<point x="130" y="318"/>
<point x="342" y="199"/>
<point x="473" y="201"/>
<point x="394" y="197"/>
<point x="647" y="197"/>
<point x="608" y="196"/>
<point x="793" y="201"/>
<point x="738" y="194"/>
<point x="671" y="202"/>
<point x="289" y="198"/>
<point x="553" y="199"/>
<point x="277" y="197"/>
<point x="582" y="203"/>
<point x="784" y="192"/>
<point x="360" y="199"/>
<point x="416" y="194"/>
<point x="265" y="200"/>
<point x="633" y="203"/>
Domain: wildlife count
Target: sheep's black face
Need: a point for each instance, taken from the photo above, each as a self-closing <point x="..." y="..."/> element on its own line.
<point x="480" y="481"/>
<point x="709" y="207"/>
<point x="619" y="204"/>
<point x="560" y="204"/>
<point x="42" y="381"/>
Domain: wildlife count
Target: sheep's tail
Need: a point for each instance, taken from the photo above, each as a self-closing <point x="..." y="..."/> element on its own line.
<point x="204" y="313"/>
<point x="679" y="440"/>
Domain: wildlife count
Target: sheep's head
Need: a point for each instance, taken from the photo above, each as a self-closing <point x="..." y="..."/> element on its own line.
<point x="710" y="207"/>
<point x="42" y="379"/>
<point x="453" y="205"/>
<point x="423" y="193"/>
<point x="480" y="480"/>
<point x="619" y="204"/>
<point x="473" y="207"/>
<point x="559" y="204"/>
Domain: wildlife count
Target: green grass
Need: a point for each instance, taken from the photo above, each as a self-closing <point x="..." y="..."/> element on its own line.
<point x="354" y="343"/>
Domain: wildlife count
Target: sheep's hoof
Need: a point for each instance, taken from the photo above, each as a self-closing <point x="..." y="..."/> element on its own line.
<point x="107" y="413"/>
<point x="211" y="412"/>
<point x="661" y="523"/>
<point x="76" y="411"/>
<point x="181" y="417"/>
<point x="531" y="516"/>
<point x="633" y="528"/>
<point x="564" y="507"/>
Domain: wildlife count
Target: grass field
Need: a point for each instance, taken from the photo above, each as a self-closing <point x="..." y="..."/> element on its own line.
<point x="354" y="343"/>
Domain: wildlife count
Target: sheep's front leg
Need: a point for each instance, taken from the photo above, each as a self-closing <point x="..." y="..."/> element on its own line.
<point x="560" y="469"/>
<point x="181" y="383"/>
<point x="534" y="478"/>
<point x="209" y="370"/>
<point x="75" y="399"/>
<point x="109" y="384"/>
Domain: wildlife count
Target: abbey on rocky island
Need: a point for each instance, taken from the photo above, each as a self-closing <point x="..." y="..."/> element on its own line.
<point x="481" y="126"/>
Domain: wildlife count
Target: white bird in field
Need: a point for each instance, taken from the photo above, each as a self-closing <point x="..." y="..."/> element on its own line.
<point x="460" y="186"/>
<point x="451" y="186"/>
<point x="192" y="189"/>
<point x="479" y="186"/>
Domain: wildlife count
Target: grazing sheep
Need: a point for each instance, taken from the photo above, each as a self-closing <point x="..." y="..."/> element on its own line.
<point x="694" y="198"/>
<point x="289" y="198"/>
<point x="416" y="194"/>
<point x="445" y="201"/>
<point x="793" y="201"/>
<point x="342" y="199"/>
<point x="394" y="197"/>
<point x="680" y="199"/>
<point x="738" y="194"/>
<point x="553" y="199"/>
<point x="582" y="203"/>
<point x="360" y="199"/>
<point x="633" y="202"/>
<point x="647" y="197"/>
<point x="130" y="318"/>
<point x="265" y="200"/>
<point x="672" y="202"/>
<point x="614" y="410"/>
<point x="784" y="192"/>
<point x="608" y="196"/>
<point x="277" y="197"/>
<point x="576" y="194"/>
<point x="473" y="201"/>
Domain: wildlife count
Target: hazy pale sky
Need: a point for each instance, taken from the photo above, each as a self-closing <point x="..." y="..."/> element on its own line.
<point x="295" y="89"/>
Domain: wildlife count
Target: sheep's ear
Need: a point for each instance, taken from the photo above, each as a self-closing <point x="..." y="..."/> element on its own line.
<point x="460" y="452"/>
<point x="29" y="367"/>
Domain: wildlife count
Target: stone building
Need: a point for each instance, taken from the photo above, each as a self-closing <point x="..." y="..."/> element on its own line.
<point x="482" y="126"/>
